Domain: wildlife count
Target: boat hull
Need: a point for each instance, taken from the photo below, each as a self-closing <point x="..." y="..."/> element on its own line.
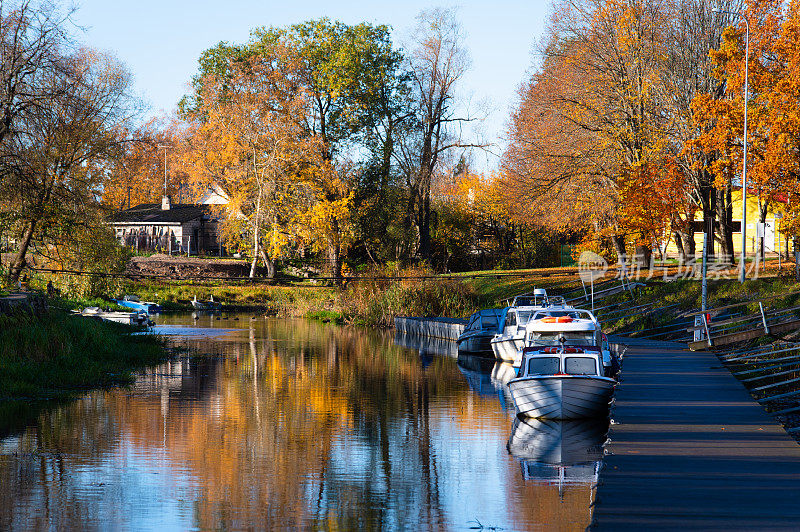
<point x="476" y="343"/>
<point x="562" y="396"/>
<point x="508" y="349"/>
<point x="128" y="318"/>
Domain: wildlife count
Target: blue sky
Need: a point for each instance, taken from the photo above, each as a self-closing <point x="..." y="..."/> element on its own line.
<point x="160" y="41"/>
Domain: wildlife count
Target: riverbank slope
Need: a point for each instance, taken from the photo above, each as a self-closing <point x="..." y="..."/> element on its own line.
<point x="55" y="355"/>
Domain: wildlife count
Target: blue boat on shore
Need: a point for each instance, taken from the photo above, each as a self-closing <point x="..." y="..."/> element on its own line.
<point x="133" y="302"/>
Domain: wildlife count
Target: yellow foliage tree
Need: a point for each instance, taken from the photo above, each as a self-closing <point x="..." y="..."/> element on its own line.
<point x="247" y="138"/>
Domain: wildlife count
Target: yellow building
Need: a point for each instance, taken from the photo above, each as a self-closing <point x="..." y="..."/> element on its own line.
<point x="773" y="239"/>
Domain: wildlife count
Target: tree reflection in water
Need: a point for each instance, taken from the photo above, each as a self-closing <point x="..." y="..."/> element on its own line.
<point x="280" y="424"/>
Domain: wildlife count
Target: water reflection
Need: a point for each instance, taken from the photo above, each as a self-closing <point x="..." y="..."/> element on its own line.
<point x="427" y="345"/>
<point x="281" y="424"/>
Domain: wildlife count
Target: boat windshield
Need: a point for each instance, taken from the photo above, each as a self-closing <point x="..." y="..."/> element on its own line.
<point x="543" y="365"/>
<point x="523" y="317"/>
<point x="580" y="366"/>
<point x="489" y="322"/>
<point x="537" y="338"/>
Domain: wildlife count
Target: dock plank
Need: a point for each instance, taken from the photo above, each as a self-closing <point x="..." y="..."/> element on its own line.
<point x="690" y="448"/>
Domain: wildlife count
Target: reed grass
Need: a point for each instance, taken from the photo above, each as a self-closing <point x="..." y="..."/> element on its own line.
<point x="59" y="355"/>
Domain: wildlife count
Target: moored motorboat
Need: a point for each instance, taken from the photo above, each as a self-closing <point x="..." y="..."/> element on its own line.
<point x="563" y="382"/>
<point x="481" y="328"/>
<point x="576" y="326"/>
<point x="507" y="344"/>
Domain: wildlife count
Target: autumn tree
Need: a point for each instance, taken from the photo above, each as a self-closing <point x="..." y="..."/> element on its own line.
<point x="719" y="115"/>
<point x="137" y="175"/>
<point x="694" y="30"/>
<point x="247" y="138"/>
<point x="346" y="81"/>
<point x="783" y="152"/>
<point x="602" y="73"/>
<point x="54" y="163"/>
<point x="437" y="60"/>
<point x="606" y="119"/>
<point x="32" y="38"/>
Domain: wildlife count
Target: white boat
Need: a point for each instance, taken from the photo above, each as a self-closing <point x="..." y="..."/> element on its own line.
<point x="205" y="305"/>
<point x="564" y="382"/>
<point x="507" y="344"/>
<point x="128" y="318"/>
<point x="579" y="327"/>
<point x="566" y="368"/>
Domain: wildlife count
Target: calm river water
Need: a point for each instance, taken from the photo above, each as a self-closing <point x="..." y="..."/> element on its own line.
<point x="293" y="424"/>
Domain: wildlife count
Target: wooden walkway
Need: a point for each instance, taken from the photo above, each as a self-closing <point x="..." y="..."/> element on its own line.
<point x="690" y="449"/>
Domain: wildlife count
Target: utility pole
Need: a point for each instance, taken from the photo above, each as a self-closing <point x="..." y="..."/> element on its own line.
<point x="742" y="269"/>
<point x="166" y="147"/>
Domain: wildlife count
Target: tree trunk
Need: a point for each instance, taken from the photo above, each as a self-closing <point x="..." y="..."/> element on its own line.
<point x="644" y="255"/>
<point x="335" y="253"/>
<point x="18" y="262"/>
<point x="619" y="247"/>
<point x="725" y="228"/>
<point x="256" y="249"/>
<point x="796" y="258"/>
<point x="268" y="263"/>
<point x="424" y="224"/>
<point x="678" y="236"/>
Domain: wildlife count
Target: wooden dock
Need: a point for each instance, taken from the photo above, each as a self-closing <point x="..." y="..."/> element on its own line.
<point x="691" y="449"/>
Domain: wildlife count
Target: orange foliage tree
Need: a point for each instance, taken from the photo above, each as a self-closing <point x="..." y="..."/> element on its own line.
<point x="589" y="125"/>
<point x="136" y="176"/>
<point x="720" y="116"/>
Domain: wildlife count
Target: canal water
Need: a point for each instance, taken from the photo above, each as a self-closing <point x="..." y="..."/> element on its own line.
<point x="295" y="424"/>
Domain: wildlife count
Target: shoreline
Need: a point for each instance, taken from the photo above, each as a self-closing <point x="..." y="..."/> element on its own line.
<point x="55" y="356"/>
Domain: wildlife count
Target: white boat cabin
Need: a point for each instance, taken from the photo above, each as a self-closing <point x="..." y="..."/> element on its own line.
<point x="567" y="328"/>
<point x="558" y="361"/>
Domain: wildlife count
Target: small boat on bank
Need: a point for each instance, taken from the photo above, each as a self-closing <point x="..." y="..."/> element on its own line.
<point x="507" y="344"/>
<point x="131" y="301"/>
<point x="481" y="328"/>
<point x="564" y="382"/>
<point x="128" y="318"/>
<point x="205" y="305"/>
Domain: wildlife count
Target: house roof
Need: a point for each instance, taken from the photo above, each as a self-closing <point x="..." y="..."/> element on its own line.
<point x="151" y="213"/>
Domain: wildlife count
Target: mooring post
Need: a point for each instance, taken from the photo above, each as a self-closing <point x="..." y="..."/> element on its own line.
<point x="705" y="326"/>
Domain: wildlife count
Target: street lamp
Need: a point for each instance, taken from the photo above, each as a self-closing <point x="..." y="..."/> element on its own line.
<point x="744" y="162"/>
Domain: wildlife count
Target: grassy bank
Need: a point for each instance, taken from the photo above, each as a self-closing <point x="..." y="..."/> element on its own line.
<point x="58" y="355"/>
<point x="685" y="295"/>
<point x="373" y="301"/>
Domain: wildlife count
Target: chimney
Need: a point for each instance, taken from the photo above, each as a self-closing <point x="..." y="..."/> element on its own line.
<point x="165" y="203"/>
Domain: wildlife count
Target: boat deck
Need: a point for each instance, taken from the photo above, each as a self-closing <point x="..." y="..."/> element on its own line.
<point x="691" y="449"/>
